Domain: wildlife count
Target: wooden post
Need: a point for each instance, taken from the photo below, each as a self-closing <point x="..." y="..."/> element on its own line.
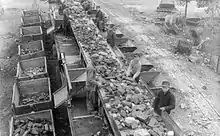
<point x="186" y="6"/>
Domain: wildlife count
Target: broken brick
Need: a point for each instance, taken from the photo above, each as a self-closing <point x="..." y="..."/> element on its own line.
<point x="123" y="113"/>
<point x="152" y="122"/>
<point x="141" y="132"/>
<point x="132" y="122"/>
<point x="140" y="107"/>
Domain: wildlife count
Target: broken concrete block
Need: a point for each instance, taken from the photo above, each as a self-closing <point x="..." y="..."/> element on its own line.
<point x="141" y="132"/>
<point x="127" y="133"/>
<point x="143" y="116"/>
<point x="108" y="106"/>
<point x="121" y="90"/>
<point x="118" y="124"/>
<point x="137" y="98"/>
<point x="128" y="97"/>
<point x="132" y="122"/>
<point x="153" y="133"/>
<point x="170" y="133"/>
<point x="158" y="131"/>
<point x="152" y="122"/>
<point x="136" y="113"/>
<point x="126" y="103"/>
<point x="114" y="115"/>
<point x="140" y="107"/>
<point x="123" y="113"/>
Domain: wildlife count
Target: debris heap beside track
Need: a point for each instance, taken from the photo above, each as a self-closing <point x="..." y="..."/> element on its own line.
<point x="125" y="101"/>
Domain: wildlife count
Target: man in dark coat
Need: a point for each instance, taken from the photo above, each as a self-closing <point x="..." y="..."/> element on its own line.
<point x="165" y="100"/>
<point x="111" y="36"/>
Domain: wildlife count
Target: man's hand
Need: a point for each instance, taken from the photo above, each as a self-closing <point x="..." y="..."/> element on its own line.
<point x="133" y="78"/>
<point x="162" y="108"/>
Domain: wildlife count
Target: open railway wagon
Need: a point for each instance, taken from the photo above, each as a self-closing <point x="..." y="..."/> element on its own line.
<point x="31" y="33"/>
<point x="31" y="95"/>
<point x="29" y="50"/>
<point x="34" y="25"/>
<point x="167" y="6"/>
<point x="75" y="69"/>
<point x="34" y="12"/>
<point x="38" y="123"/>
<point x="32" y="69"/>
<point x="35" y="20"/>
<point x="78" y="113"/>
<point x="41" y="120"/>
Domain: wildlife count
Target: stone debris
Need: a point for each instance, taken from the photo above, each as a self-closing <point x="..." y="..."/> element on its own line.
<point x="33" y="71"/>
<point x="32" y="127"/>
<point x="170" y="133"/>
<point x="28" y="51"/>
<point x="126" y="103"/>
<point x="183" y="106"/>
<point x="141" y="132"/>
<point x="34" y="98"/>
<point x="152" y="122"/>
<point x="132" y="122"/>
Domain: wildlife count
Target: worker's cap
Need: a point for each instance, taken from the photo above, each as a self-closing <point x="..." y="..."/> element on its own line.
<point x="172" y="89"/>
<point x="165" y="84"/>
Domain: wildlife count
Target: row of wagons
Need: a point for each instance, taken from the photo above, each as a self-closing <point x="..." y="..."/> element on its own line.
<point x="32" y="98"/>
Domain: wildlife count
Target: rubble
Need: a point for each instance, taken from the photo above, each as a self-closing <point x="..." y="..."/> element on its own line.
<point x="30" y="127"/>
<point x="141" y="132"/>
<point x="127" y="104"/>
<point x="170" y="133"/>
<point x="131" y="121"/>
<point x="34" y="98"/>
<point x="33" y="71"/>
<point x="28" y="51"/>
<point x="152" y="122"/>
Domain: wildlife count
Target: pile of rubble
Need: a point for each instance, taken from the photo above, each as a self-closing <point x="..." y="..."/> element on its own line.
<point x="33" y="71"/>
<point x="127" y="104"/>
<point x="28" y="51"/>
<point x="30" y="127"/>
<point x="34" y="98"/>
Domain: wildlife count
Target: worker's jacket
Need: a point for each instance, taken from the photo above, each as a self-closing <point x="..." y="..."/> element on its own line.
<point x="135" y="66"/>
<point x="166" y="100"/>
<point x="100" y="15"/>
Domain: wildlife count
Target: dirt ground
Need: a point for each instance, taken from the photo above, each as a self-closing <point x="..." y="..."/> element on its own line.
<point x="198" y="101"/>
<point x="8" y="60"/>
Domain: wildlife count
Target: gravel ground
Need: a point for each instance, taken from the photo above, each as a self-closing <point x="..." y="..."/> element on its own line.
<point x="9" y="23"/>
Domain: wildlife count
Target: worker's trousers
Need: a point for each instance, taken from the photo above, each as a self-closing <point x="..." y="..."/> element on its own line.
<point x="92" y="101"/>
